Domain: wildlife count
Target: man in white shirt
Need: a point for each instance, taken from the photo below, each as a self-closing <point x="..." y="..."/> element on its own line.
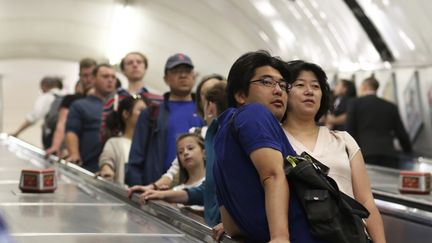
<point x="50" y="86"/>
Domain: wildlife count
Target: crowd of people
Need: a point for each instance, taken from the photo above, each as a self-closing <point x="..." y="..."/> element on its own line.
<point x="220" y="151"/>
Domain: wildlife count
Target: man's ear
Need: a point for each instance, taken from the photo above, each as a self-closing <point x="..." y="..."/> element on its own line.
<point x="240" y="98"/>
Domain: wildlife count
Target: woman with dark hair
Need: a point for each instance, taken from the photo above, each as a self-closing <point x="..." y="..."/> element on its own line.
<point x="308" y="100"/>
<point x="121" y="123"/>
<point x="205" y="84"/>
<point x="343" y="93"/>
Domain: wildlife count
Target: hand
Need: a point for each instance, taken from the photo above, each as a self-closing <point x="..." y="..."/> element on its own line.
<point x="151" y="195"/>
<point x="74" y="158"/>
<point x="218" y="232"/>
<point x="52" y="150"/>
<point x="107" y="172"/>
<point x="137" y="189"/>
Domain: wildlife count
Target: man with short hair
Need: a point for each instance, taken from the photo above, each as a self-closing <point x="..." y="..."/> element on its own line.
<point x="86" y="66"/>
<point x="250" y="147"/>
<point x="153" y="145"/>
<point x="374" y="123"/>
<point x="84" y="119"/>
<point x="51" y="88"/>
<point x="134" y="66"/>
<point x="83" y="85"/>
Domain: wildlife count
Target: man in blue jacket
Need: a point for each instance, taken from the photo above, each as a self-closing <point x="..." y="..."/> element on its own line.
<point x="153" y="144"/>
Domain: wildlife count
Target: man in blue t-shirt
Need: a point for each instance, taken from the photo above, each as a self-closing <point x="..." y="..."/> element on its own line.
<point x="84" y="120"/>
<point x="153" y="144"/>
<point x="250" y="146"/>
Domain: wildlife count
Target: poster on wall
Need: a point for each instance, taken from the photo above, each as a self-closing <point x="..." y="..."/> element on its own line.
<point x="413" y="110"/>
<point x="390" y="90"/>
<point x="429" y="96"/>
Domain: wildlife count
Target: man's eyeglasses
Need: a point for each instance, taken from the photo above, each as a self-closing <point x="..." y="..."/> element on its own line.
<point x="271" y="83"/>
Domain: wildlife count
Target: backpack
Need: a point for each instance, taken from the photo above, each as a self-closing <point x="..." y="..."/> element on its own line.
<point x="332" y="215"/>
<point x="50" y="120"/>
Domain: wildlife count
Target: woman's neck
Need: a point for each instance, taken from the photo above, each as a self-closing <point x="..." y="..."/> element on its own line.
<point x="297" y="126"/>
<point x="128" y="133"/>
<point x="195" y="175"/>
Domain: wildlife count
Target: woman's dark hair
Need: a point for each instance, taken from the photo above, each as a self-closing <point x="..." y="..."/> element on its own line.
<point x="243" y="70"/>
<point x="297" y="66"/>
<point x="199" y="105"/>
<point x="351" y="91"/>
<point x="184" y="175"/>
<point x="115" y="125"/>
<point x="217" y="94"/>
<point x="118" y="83"/>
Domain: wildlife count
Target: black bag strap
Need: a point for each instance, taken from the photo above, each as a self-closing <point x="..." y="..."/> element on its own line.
<point x="354" y="206"/>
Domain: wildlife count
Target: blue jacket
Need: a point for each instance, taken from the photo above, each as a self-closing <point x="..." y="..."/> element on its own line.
<point x="147" y="153"/>
<point x="205" y="194"/>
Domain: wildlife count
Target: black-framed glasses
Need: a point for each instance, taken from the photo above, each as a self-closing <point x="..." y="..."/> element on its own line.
<point x="271" y="83"/>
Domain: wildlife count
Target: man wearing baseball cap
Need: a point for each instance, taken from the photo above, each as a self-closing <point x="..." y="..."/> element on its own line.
<point x="154" y="142"/>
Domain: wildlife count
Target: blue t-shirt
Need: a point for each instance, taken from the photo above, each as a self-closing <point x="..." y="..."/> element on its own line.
<point x="182" y="117"/>
<point x="84" y="119"/>
<point x="238" y="185"/>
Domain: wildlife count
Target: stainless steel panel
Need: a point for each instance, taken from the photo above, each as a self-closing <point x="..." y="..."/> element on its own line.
<point x="77" y="211"/>
<point x="387" y="180"/>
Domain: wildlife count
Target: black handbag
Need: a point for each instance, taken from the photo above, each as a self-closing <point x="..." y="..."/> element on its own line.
<point x="332" y="215"/>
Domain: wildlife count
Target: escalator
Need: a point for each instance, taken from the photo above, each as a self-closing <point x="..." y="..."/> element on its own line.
<point x="83" y="209"/>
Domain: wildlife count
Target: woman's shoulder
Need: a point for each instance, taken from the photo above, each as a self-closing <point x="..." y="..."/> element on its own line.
<point x="113" y="141"/>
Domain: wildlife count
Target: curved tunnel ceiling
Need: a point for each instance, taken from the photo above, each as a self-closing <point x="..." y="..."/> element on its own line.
<point x="214" y="33"/>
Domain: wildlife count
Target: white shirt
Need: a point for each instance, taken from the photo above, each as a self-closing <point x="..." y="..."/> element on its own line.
<point x="334" y="149"/>
<point x="42" y="105"/>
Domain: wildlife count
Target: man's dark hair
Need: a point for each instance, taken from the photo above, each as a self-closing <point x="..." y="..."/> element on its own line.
<point x="144" y="58"/>
<point x="350" y="88"/>
<point x="96" y="69"/>
<point x="51" y="82"/>
<point x="243" y="70"/>
<point x="297" y="66"/>
<point x="372" y="83"/>
<point x="217" y="94"/>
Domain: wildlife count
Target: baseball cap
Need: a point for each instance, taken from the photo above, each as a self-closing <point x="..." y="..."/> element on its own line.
<point x="178" y="59"/>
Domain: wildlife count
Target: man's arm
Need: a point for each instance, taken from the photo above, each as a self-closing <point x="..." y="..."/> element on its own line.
<point x="26" y="124"/>
<point x="402" y="135"/>
<point x="72" y="145"/>
<point x="59" y="133"/>
<point x="269" y="164"/>
<point x="73" y="129"/>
